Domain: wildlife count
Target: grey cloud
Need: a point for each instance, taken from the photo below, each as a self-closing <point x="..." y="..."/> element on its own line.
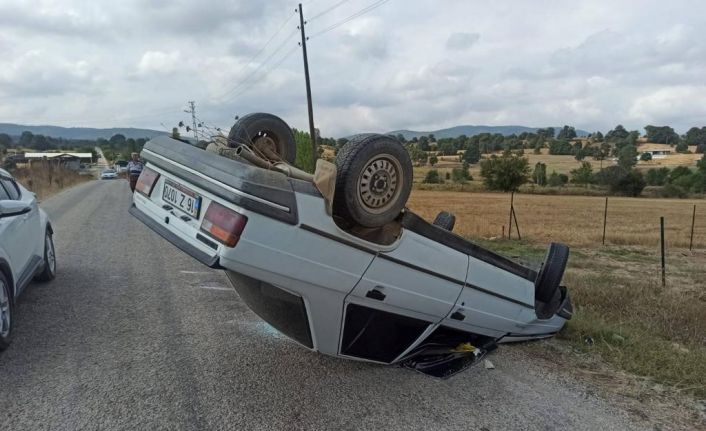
<point x="462" y="41"/>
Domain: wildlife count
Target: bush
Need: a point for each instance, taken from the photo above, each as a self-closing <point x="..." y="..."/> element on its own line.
<point x="432" y="177"/>
<point x="657" y="177"/>
<point x="646" y="157"/>
<point x="505" y="173"/>
<point x="621" y="181"/>
<point x="557" y="180"/>
<point x="673" y="191"/>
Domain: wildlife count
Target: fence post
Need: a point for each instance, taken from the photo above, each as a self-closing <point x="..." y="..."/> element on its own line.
<point x="661" y="235"/>
<point x="693" y="221"/>
<point x="605" y="218"/>
<point x="509" y="227"/>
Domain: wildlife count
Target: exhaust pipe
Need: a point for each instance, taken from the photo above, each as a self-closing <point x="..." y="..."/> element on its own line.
<point x="282" y="167"/>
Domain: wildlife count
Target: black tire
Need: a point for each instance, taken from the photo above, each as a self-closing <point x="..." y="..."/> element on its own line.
<point x="6" y="312"/>
<point x="374" y="180"/>
<point x="445" y="220"/>
<point x="258" y="129"/>
<point x="552" y="271"/>
<point x="546" y="310"/>
<point x="49" y="268"/>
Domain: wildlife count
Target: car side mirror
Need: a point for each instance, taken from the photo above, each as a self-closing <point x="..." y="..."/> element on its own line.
<point x="9" y="208"/>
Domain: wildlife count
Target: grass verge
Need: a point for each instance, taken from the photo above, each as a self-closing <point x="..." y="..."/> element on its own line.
<point x="45" y="181"/>
<point x="625" y="317"/>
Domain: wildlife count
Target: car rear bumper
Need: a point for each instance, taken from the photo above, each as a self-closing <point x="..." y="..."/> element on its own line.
<point x="172" y="237"/>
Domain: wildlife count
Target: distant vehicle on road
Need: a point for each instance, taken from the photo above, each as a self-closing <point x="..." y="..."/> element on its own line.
<point x="26" y="248"/>
<point x="120" y="166"/>
<point x="370" y="280"/>
<point x="109" y="174"/>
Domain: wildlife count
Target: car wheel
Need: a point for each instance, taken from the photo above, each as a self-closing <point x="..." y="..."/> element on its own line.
<point x="5" y="312"/>
<point x="552" y="271"/>
<point x="445" y="220"/>
<point x="49" y="270"/>
<point x="374" y="180"/>
<point x="264" y="133"/>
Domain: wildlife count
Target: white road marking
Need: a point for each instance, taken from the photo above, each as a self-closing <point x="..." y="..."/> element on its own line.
<point x="215" y="288"/>
<point x="193" y="272"/>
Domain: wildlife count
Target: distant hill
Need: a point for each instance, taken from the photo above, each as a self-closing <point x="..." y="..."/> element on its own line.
<point x="78" y="132"/>
<point x="454" y="132"/>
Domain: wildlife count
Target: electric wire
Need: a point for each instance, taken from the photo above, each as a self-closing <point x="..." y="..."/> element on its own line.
<point x="324" y="12"/>
<point x="238" y="86"/>
<point x="350" y="18"/>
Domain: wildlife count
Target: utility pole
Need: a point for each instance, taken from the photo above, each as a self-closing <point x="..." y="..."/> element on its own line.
<point x="192" y="111"/>
<point x="312" y="130"/>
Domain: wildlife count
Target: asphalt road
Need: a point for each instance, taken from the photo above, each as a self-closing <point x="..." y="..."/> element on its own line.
<point x="133" y="334"/>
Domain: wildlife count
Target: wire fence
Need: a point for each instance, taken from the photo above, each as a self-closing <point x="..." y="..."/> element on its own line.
<point x="575" y="220"/>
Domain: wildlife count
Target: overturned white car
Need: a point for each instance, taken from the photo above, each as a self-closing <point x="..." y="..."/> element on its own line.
<point x="355" y="276"/>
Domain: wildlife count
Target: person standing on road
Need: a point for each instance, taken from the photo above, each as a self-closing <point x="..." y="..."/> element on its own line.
<point x="134" y="169"/>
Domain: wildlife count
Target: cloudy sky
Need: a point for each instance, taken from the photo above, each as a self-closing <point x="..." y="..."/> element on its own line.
<point x="418" y="64"/>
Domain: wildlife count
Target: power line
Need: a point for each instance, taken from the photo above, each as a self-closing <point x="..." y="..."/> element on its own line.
<point x="279" y="29"/>
<point x="266" y="74"/>
<point x="257" y="69"/>
<point x="351" y="17"/>
<point x="327" y="10"/>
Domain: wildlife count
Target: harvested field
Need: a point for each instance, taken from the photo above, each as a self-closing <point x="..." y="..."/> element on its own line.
<point x="46" y="181"/>
<point x="575" y="220"/>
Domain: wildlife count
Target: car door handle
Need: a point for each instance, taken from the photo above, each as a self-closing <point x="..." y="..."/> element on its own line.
<point x="458" y="316"/>
<point x="375" y="294"/>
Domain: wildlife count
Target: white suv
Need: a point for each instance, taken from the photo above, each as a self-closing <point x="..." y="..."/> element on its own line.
<point x="26" y="248"/>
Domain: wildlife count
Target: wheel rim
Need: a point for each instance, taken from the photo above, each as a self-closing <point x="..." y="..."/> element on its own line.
<point x="379" y="183"/>
<point x="5" y="317"/>
<point x="51" y="256"/>
<point x="264" y="142"/>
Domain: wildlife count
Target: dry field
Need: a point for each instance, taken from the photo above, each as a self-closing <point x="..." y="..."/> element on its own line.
<point x="562" y="164"/>
<point x="48" y="181"/>
<point x="575" y="220"/>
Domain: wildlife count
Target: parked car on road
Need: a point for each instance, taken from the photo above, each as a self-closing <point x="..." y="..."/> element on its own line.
<point x="369" y="280"/>
<point x="26" y="248"/>
<point x="109" y="174"/>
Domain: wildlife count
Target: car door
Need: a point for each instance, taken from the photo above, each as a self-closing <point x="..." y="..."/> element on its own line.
<point x="401" y="296"/>
<point x="491" y="302"/>
<point x="21" y="231"/>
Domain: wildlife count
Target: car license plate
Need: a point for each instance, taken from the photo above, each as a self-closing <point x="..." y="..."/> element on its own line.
<point x="182" y="198"/>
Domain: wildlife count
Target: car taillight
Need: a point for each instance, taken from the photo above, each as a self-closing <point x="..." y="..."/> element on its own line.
<point x="223" y="224"/>
<point x="146" y="181"/>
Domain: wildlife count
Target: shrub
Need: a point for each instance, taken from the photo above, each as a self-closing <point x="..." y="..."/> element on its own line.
<point x="432" y="177"/>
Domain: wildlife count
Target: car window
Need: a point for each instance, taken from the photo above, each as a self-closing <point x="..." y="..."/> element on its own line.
<point x="10" y="188"/>
<point x="3" y="194"/>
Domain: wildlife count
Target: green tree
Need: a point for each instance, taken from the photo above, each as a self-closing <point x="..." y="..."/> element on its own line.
<point x="627" y="157"/>
<point x="701" y="164"/>
<point x="26" y="139"/>
<point x="583" y="174"/>
<point x="432" y="177"/>
<point x="424" y="143"/>
<point x="682" y="147"/>
<point x="617" y="134"/>
<point x="560" y="147"/>
<point x="657" y="177"/>
<point x="646" y="157"/>
<point x="303" y="158"/>
<point x="557" y="180"/>
<point x="117" y="140"/>
<point x="5" y="140"/>
<point x="662" y="135"/>
<point x="461" y="175"/>
<point x="567" y="133"/>
<point x="507" y="172"/>
<point x="433" y="160"/>
<point x="472" y="153"/>
<point x="447" y="148"/>
<point x="695" y="136"/>
<point x="539" y="176"/>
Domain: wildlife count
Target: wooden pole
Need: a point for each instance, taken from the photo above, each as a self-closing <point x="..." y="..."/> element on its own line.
<point x="661" y="234"/>
<point x="693" y="221"/>
<point x="605" y="218"/>
<point x="509" y="229"/>
<point x="517" y="226"/>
